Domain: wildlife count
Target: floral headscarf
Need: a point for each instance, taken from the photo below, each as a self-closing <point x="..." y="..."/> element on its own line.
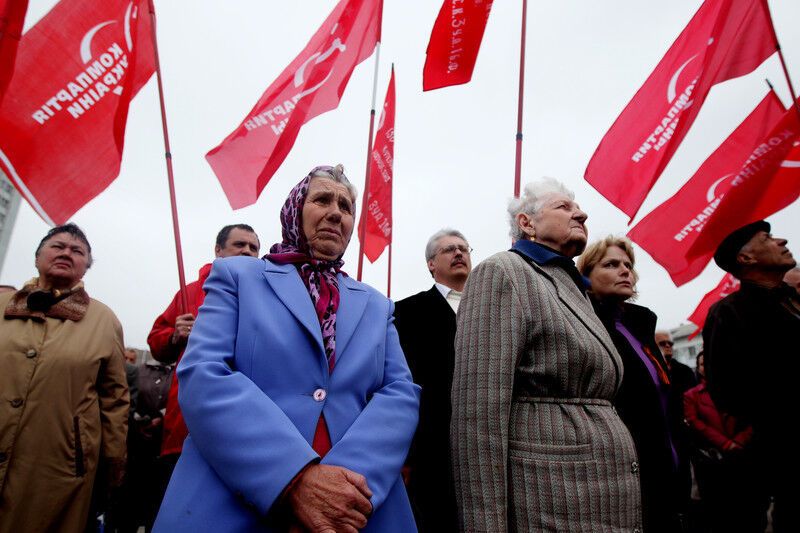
<point x="318" y="275"/>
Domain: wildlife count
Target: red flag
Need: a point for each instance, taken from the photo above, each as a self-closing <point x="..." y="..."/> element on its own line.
<point x="12" y="18"/>
<point x="671" y="228"/>
<point x="768" y="182"/>
<point x="724" y="40"/>
<point x="455" y="42"/>
<point x="62" y="124"/>
<point x="379" y="193"/>
<point x="311" y="85"/>
<point x="728" y="285"/>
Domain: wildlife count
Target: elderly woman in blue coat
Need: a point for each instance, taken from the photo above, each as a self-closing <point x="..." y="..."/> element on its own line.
<point x="298" y="399"/>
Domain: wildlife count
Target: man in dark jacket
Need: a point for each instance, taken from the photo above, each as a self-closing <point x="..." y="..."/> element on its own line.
<point x="426" y="323"/>
<point x="752" y="344"/>
<point x="681" y="376"/>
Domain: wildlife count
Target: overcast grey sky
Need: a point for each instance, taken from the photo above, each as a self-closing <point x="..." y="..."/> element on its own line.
<point x="454" y="149"/>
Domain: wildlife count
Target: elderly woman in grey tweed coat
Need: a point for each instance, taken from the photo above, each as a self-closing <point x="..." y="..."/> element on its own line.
<point x="536" y="442"/>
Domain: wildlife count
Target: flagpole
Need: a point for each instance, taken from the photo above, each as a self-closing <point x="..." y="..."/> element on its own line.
<point x="795" y="103"/>
<point x="518" y="159"/>
<point x="765" y="5"/>
<point x="362" y="234"/>
<point x="389" y="274"/>
<point x="168" y="158"/>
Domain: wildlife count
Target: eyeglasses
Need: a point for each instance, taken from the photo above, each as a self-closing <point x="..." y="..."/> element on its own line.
<point x="466" y="250"/>
<point x="665" y="343"/>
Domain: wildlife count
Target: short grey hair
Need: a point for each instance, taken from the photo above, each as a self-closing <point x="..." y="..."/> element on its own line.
<point x="336" y="174"/>
<point x="531" y="201"/>
<point x="430" y="248"/>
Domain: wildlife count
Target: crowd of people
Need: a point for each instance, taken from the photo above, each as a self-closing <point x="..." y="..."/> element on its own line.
<point x="528" y="394"/>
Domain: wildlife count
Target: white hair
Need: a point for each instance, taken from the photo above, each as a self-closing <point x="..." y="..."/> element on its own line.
<point x="531" y="201"/>
<point x="433" y="242"/>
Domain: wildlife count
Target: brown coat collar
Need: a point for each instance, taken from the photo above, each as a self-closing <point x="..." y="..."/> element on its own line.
<point x="73" y="306"/>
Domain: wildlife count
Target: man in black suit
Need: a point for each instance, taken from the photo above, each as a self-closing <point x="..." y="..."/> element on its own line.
<point x="751" y="342"/>
<point x="426" y="323"/>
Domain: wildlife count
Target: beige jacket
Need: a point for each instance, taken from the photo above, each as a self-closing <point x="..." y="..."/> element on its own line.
<point x="63" y="404"/>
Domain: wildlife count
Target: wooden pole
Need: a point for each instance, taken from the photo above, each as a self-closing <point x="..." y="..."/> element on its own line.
<point x="168" y="157"/>
<point x="362" y="234"/>
<point x="518" y="158"/>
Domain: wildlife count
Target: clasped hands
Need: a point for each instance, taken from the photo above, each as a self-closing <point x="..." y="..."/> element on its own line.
<point x="330" y="499"/>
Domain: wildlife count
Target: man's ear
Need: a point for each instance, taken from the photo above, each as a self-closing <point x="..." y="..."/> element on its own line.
<point x="217" y="250"/>
<point x="430" y="266"/>
<point x="745" y="259"/>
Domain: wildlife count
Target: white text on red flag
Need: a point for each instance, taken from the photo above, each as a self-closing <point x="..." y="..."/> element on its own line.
<point x="378" y="214"/>
<point x="767" y="182"/>
<point x="62" y="125"/>
<point x="671" y="228"/>
<point x="312" y="84"/>
<point x="725" y="39"/>
<point x="455" y="42"/>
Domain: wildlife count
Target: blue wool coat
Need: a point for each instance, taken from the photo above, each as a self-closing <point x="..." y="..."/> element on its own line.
<point x="251" y="385"/>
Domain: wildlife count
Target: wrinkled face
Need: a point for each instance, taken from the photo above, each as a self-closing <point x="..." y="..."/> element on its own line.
<point x="559" y="224"/>
<point x="612" y="276"/>
<point x="767" y="252"/>
<point x="62" y="261"/>
<point x="452" y="263"/>
<point x="130" y="356"/>
<point x="327" y="218"/>
<point x="240" y="242"/>
<point x="665" y="344"/>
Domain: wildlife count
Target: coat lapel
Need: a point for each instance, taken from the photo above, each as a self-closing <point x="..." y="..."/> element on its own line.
<point x="289" y="288"/>
<point x="352" y="303"/>
<point x="581" y="307"/>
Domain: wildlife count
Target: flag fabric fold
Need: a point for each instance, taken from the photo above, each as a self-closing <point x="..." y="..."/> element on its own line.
<point x="768" y="181"/>
<point x="455" y="42"/>
<point x="378" y="214"/>
<point x="62" y="122"/>
<point x="670" y="229"/>
<point x="727" y="285"/>
<point x="725" y="39"/>
<point x="312" y="84"/>
<point x="12" y="20"/>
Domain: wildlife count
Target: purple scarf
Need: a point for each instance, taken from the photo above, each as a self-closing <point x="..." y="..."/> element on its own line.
<point x="319" y="276"/>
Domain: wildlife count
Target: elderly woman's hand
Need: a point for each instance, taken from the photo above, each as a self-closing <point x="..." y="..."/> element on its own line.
<point x="330" y="499"/>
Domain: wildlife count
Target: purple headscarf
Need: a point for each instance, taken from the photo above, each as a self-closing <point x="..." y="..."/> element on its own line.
<point x="318" y="275"/>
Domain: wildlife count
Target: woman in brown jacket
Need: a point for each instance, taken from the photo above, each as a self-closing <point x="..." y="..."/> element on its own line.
<point x="63" y="391"/>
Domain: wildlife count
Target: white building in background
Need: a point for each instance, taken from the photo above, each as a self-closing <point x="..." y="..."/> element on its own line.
<point x="9" y="205"/>
<point x="685" y="349"/>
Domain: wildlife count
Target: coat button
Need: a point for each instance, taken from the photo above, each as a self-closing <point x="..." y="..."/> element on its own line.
<point x="30" y="354"/>
<point x="320" y="394"/>
<point x="16" y="402"/>
<point x="637" y="530"/>
<point x="635" y="467"/>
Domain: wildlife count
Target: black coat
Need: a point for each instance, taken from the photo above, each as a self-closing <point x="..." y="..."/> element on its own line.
<point x="427" y="327"/>
<point x="681" y="376"/>
<point x="665" y="486"/>
<point x="752" y="359"/>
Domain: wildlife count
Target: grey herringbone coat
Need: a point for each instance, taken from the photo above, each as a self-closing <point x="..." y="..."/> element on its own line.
<point x="537" y="445"/>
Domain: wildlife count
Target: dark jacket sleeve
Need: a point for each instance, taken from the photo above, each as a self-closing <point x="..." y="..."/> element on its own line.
<point x="726" y="350"/>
